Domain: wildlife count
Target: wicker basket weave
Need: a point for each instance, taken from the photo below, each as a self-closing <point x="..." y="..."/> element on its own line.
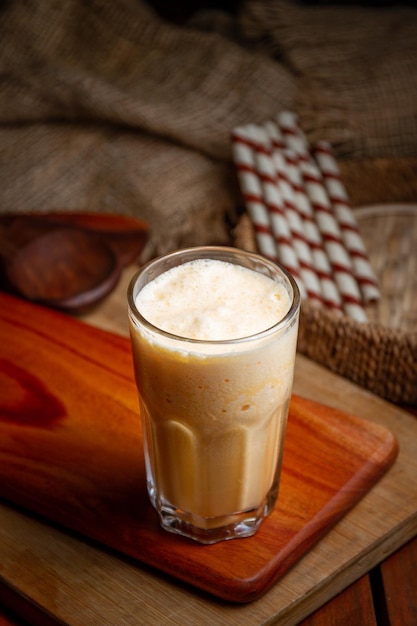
<point x="381" y="355"/>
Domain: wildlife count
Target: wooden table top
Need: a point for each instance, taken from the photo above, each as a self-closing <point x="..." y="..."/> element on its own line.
<point x="77" y="582"/>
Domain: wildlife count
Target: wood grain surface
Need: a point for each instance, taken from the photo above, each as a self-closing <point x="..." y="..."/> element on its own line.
<point x="80" y="582"/>
<point x="398" y="577"/>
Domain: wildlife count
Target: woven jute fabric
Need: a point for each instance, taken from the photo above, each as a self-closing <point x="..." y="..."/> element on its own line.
<point x="356" y="68"/>
<point x="106" y="107"/>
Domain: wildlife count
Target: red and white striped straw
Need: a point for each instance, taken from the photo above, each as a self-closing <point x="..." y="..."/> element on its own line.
<point x="293" y="135"/>
<point x="254" y="162"/>
<point x="244" y="158"/>
<point x="296" y="225"/>
<point x="340" y="260"/>
<point x="352" y="239"/>
<point x="321" y="264"/>
<point x="274" y="203"/>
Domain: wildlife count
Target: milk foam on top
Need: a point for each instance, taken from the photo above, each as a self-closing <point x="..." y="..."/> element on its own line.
<point x="213" y="300"/>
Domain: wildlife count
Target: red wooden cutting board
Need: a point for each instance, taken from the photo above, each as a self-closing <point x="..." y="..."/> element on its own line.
<point x="71" y="451"/>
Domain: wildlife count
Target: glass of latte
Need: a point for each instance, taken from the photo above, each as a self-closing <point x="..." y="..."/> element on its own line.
<point x="214" y="333"/>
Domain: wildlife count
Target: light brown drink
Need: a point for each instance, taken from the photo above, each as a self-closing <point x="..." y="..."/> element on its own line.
<point x="214" y="386"/>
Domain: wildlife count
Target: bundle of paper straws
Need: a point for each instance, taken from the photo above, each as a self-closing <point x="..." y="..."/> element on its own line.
<point x="301" y="215"/>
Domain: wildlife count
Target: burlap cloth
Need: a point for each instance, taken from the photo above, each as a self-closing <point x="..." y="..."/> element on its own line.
<point x="108" y="107"/>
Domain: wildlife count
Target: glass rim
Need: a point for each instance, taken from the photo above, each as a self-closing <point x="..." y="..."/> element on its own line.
<point x="200" y="250"/>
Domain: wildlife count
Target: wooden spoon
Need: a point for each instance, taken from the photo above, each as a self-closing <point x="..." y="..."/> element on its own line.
<point x="64" y="268"/>
<point x="127" y="236"/>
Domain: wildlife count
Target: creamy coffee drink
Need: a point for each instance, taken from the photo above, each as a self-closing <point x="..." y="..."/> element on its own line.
<point x="214" y="347"/>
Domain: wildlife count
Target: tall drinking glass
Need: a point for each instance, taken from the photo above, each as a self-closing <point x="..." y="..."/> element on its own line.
<point x="213" y="410"/>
